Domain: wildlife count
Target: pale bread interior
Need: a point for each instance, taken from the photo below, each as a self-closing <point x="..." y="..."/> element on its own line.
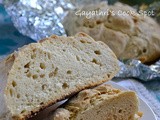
<point x="101" y="103"/>
<point x="45" y="72"/>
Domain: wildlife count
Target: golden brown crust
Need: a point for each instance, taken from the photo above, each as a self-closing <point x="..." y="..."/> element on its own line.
<point x="130" y="36"/>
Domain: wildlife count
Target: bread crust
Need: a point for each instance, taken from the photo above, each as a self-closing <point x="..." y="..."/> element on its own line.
<point x="5" y="66"/>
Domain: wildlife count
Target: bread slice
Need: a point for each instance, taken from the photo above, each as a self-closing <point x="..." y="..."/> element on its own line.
<point x="40" y="74"/>
<point x="101" y="103"/>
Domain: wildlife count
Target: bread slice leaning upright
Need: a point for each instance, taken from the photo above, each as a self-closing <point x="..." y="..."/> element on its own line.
<point x="40" y="74"/>
<point x="101" y="103"/>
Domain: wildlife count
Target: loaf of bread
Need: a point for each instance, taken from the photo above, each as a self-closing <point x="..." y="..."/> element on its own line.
<point x="101" y="103"/>
<point x="40" y="74"/>
<point x="129" y="34"/>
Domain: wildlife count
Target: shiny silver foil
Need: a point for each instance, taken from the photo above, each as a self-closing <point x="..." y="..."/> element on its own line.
<point x="38" y="18"/>
<point x="41" y="18"/>
<point x="135" y="69"/>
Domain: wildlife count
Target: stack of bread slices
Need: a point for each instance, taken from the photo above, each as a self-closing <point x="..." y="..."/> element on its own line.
<point x="40" y="74"/>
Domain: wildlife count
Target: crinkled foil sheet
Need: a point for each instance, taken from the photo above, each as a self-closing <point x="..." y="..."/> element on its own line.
<point x="38" y="18"/>
<point x="41" y="18"/>
<point x="135" y="69"/>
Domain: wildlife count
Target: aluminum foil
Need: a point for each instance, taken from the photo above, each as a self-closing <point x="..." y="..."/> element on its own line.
<point x="41" y="18"/>
<point x="135" y="69"/>
<point x="38" y="18"/>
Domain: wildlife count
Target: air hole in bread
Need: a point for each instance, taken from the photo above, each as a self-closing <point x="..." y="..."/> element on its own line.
<point x="33" y="56"/>
<point x="98" y="112"/>
<point x="34" y="50"/>
<point x="135" y="20"/>
<point x="124" y="111"/>
<point x="78" y="59"/>
<point x="65" y="85"/>
<point x="29" y="75"/>
<point x="108" y="75"/>
<point x="69" y="72"/>
<point x="81" y="34"/>
<point x="41" y="103"/>
<point x="42" y="75"/>
<point x="51" y="74"/>
<point x="18" y="95"/>
<point x="97" y="52"/>
<point x="96" y="62"/>
<point x="98" y="22"/>
<point x="144" y="50"/>
<point x="120" y="111"/>
<point x="11" y="92"/>
<point x="55" y="71"/>
<point x="42" y="66"/>
<point x="23" y="111"/>
<point x="26" y="71"/>
<point x="82" y="41"/>
<point x="35" y="76"/>
<point x="27" y="65"/>
<point x="44" y="86"/>
<point x="14" y="84"/>
<point x="86" y="98"/>
<point x="91" y="25"/>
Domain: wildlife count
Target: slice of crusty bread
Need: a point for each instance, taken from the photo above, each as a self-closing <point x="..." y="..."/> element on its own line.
<point x="40" y="74"/>
<point x="101" y="103"/>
